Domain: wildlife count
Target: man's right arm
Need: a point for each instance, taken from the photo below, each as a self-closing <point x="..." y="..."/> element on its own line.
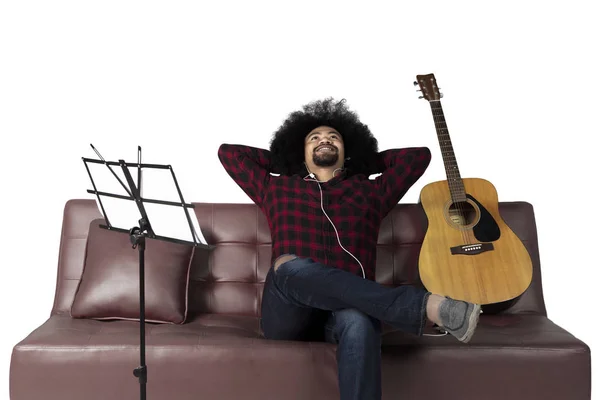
<point x="249" y="167"/>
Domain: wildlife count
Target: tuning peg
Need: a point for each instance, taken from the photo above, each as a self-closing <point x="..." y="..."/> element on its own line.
<point x="441" y="95"/>
<point x="421" y="97"/>
<point x="416" y="83"/>
<point x="419" y="90"/>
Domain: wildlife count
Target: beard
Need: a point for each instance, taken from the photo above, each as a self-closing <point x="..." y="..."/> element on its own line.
<point x="325" y="159"/>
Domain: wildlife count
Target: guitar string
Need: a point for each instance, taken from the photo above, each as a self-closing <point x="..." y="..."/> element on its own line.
<point x="463" y="207"/>
<point x="455" y="185"/>
<point x="438" y="118"/>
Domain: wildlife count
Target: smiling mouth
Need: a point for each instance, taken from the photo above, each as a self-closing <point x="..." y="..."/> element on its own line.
<point x="327" y="148"/>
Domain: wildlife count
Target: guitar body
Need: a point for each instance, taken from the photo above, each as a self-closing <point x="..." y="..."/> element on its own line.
<point x="469" y="253"/>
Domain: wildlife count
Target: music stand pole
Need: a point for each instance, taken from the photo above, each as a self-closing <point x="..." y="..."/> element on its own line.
<point x="137" y="236"/>
<point x="138" y="239"/>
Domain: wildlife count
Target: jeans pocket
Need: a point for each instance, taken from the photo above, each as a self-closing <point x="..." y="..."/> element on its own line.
<point x="294" y="258"/>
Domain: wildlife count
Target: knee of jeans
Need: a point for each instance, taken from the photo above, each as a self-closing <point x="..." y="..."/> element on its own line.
<point x="356" y="324"/>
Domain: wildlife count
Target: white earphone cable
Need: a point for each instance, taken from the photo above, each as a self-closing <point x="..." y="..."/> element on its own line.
<point x="331" y="222"/>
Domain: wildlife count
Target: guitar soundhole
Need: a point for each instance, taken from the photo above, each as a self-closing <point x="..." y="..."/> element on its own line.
<point x="462" y="214"/>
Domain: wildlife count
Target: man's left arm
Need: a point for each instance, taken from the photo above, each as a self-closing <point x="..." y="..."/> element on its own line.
<point x="400" y="169"/>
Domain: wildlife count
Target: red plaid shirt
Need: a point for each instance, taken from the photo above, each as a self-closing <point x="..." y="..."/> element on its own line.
<point x="355" y="204"/>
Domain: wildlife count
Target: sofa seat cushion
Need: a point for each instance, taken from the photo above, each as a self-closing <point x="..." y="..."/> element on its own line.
<point x="219" y="356"/>
<point x="225" y="357"/>
<point x="509" y="357"/>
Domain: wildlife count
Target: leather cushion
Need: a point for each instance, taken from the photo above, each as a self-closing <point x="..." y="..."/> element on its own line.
<point x="217" y="356"/>
<point x="109" y="285"/>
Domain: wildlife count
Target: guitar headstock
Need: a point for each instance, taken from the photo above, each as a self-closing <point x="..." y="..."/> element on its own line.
<point x="429" y="87"/>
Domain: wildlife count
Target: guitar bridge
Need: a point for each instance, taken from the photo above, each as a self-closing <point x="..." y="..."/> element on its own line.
<point x="472" y="249"/>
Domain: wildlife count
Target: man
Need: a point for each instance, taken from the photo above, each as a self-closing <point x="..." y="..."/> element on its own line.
<point x="324" y="214"/>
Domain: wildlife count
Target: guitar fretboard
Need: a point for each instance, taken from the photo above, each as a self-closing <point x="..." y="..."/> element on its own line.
<point x="455" y="183"/>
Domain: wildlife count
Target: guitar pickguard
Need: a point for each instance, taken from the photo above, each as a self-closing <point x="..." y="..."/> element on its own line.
<point x="486" y="230"/>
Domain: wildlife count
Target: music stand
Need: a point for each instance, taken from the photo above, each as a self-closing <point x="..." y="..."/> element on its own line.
<point x="138" y="234"/>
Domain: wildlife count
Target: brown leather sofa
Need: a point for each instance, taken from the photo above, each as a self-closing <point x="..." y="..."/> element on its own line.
<point x="218" y="353"/>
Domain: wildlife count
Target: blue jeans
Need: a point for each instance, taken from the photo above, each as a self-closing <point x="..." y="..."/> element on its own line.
<point x="305" y="300"/>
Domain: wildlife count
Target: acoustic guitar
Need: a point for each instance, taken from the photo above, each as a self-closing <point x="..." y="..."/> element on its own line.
<point x="469" y="253"/>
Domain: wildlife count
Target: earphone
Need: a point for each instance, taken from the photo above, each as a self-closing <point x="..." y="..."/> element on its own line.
<point x="330" y="221"/>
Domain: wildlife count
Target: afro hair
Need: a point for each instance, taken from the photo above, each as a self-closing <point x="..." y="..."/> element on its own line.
<point x="287" y="144"/>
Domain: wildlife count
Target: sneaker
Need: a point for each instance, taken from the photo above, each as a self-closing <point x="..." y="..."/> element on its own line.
<point x="459" y="318"/>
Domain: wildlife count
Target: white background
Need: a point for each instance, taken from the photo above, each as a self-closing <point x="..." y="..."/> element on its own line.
<point x="179" y="78"/>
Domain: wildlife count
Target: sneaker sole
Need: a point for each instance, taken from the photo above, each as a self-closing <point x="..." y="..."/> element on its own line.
<point x="473" y="321"/>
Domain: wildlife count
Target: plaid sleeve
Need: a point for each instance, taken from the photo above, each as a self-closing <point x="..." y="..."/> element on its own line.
<point x="249" y="167"/>
<point x="400" y="169"/>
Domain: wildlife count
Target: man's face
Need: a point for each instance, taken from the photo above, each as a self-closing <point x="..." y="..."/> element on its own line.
<point x="324" y="147"/>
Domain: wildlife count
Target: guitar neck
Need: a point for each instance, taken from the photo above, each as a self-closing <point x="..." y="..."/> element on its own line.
<point x="455" y="183"/>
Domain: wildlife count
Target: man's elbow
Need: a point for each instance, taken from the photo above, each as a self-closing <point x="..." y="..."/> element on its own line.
<point x="424" y="156"/>
<point x="224" y="152"/>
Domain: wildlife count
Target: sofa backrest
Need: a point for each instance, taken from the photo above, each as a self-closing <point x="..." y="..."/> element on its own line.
<point x="229" y="278"/>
